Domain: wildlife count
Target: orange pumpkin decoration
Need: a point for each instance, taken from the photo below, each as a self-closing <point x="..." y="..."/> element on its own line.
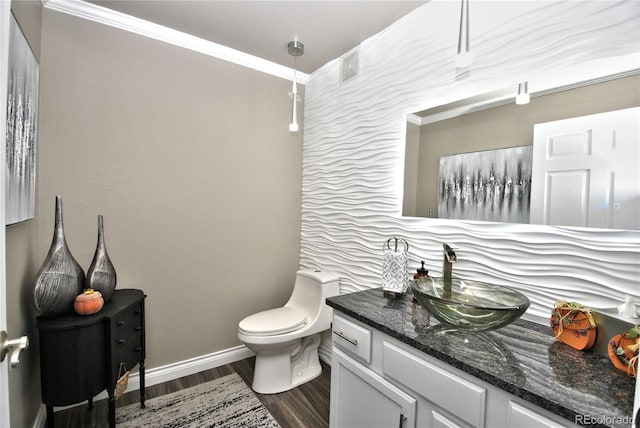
<point x="623" y="351"/>
<point x="89" y="302"/>
<point x="573" y="324"/>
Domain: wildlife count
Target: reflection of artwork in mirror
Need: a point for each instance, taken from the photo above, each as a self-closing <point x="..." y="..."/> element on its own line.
<point x="22" y="109"/>
<point x="491" y="185"/>
<point x="491" y="122"/>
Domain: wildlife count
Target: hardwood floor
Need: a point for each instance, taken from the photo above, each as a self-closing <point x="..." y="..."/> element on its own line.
<point x="306" y="406"/>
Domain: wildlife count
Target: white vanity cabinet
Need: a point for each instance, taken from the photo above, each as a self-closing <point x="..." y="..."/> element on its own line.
<point x="360" y="397"/>
<point x="378" y="381"/>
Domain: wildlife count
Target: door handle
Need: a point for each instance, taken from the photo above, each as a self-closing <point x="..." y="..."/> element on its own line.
<point x="12" y="347"/>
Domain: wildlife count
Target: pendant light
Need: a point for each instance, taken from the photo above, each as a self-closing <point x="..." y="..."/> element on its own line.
<point x="523" y="97"/>
<point x="464" y="57"/>
<point x="295" y="49"/>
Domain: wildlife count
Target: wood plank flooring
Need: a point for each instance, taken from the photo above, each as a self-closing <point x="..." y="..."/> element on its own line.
<point x="306" y="406"/>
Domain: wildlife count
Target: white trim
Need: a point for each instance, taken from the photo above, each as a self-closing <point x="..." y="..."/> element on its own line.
<point x="414" y="119"/>
<point x="507" y="95"/>
<point x="191" y="366"/>
<point x="5" y="19"/>
<point x="103" y="15"/>
<point x="41" y="417"/>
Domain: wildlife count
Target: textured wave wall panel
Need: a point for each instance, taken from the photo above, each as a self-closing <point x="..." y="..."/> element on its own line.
<point x="354" y="137"/>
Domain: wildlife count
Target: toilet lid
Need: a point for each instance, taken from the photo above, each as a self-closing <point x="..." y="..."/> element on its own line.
<point x="274" y="321"/>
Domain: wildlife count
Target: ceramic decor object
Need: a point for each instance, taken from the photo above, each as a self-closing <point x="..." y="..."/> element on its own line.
<point x="60" y="278"/>
<point x="573" y="324"/>
<point x="395" y="278"/>
<point x="101" y="275"/>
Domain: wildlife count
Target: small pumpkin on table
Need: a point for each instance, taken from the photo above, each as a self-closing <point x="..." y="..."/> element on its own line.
<point x="89" y="302"/>
<point x="623" y="351"/>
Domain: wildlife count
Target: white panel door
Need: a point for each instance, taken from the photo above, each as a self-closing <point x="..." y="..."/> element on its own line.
<point x="586" y="171"/>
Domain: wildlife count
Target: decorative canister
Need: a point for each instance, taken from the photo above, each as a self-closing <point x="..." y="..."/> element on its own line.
<point x="101" y="275"/>
<point x="573" y="324"/>
<point x="624" y="350"/>
<point x="60" y="278"/>
<point x="88" y="303"/>
<point x="395" y="278"/>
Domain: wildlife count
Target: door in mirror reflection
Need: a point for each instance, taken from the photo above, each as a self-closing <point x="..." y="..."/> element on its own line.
<point x="586" y="171"/>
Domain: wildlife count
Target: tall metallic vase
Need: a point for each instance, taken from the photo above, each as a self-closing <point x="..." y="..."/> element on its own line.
<point x="101" y="275"/>
<point x="60" y="278"/>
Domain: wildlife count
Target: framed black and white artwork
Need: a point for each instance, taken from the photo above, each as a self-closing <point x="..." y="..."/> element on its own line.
<point x="491" y="185"/>
<point x="22" y="126"/>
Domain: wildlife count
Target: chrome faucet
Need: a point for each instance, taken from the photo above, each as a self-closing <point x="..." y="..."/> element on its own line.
<point x="447" y="266"/>
<point x="449" y="259"/>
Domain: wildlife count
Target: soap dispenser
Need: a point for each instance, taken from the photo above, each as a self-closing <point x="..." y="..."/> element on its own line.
<point x="421" y="275"/>
<point x="421" y="272"/>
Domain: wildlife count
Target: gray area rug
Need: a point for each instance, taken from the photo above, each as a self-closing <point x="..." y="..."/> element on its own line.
<point x="223" y="402"/>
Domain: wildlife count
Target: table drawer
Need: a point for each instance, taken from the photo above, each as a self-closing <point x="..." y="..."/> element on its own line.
<point x="352" y="338"/>
<point x="127" y="333"/>
<point x="454" y="394"/>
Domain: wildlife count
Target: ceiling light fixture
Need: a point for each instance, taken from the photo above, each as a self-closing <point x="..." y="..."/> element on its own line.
<point x="295" y="49"/>
<point x="523" y="96"/>
<point x="464" y="57"/>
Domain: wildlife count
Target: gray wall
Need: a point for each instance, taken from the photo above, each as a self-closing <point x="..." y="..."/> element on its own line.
<point x="191" y="163"/>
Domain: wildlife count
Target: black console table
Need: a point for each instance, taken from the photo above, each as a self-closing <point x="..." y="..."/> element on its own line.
<point x="80" y="355"/>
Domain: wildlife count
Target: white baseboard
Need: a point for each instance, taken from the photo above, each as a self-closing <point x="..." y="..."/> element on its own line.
<point x="166" y="373"/>
<point x="41" y="418"/>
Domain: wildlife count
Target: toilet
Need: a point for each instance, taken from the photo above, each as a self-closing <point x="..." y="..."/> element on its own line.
<point x="286" y="340"/>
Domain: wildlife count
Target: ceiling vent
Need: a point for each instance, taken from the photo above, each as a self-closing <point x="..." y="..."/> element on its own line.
<point x="349" y="65"/>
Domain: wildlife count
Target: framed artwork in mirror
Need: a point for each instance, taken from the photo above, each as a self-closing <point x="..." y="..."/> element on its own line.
<point x="22" y="125"/>
<point x="490" y="185"/>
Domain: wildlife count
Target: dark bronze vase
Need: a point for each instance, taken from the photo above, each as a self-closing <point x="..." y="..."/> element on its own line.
<point x="60" y="278"/>
<point x="101" y="275"/>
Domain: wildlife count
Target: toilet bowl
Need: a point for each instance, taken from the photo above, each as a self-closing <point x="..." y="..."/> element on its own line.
<point x="286" y="340"/>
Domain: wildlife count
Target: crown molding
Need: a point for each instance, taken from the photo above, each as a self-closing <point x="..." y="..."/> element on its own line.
<point x="102" y="15"/>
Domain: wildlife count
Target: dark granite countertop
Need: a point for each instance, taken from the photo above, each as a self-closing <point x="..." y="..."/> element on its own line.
<point x="523" y="358"/>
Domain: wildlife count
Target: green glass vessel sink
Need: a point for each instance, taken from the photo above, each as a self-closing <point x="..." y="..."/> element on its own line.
<point x="469" y="305"/>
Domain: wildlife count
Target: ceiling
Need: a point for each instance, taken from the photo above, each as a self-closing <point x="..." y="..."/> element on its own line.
<point x="263" y="28"/>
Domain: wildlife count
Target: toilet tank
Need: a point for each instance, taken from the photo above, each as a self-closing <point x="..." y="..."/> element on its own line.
<point x="311" y="289"/>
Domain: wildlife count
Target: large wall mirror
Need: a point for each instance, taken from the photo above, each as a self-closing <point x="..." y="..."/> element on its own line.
<point x="476" y="159"/>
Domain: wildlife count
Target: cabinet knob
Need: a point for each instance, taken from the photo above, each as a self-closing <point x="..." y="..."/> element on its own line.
<point x="138" y="349"/>
<point x="402" y="419"/>
<point x="138" y="328"/>
<point x="121" y="341"/>
<point x="120" y="323"/>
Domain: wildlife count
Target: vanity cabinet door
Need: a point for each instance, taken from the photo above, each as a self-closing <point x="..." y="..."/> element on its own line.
<point x="441" y="421"/>
<point x="519" y="416"/>
<point x="361" y="398"/>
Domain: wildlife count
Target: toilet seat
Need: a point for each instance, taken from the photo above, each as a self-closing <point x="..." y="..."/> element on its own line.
<point x="273" y="322"/>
